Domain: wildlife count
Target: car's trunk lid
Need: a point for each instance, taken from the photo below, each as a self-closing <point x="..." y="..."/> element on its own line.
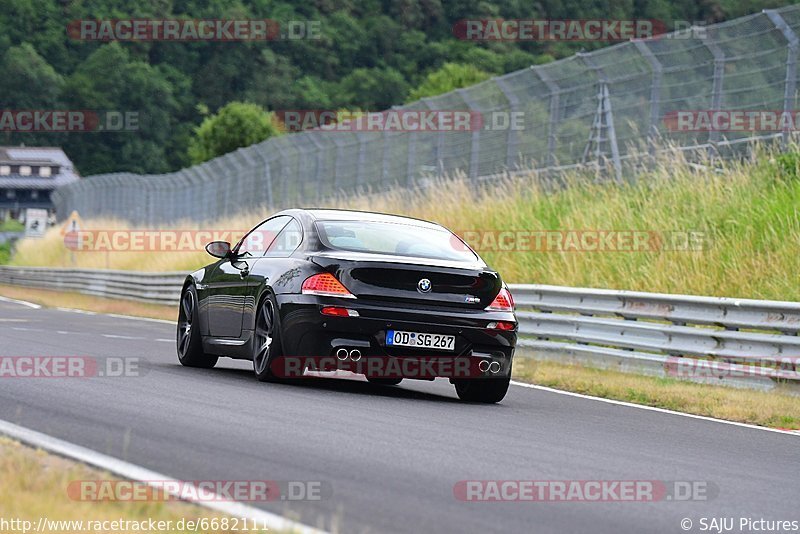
<point x="426" y="281"/>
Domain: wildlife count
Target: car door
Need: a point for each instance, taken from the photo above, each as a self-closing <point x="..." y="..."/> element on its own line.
<point x="271" y="266"/>
<point x="228" y="286"/>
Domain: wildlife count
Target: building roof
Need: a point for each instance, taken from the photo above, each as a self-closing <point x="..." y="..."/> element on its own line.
<point x="36" y="156"/>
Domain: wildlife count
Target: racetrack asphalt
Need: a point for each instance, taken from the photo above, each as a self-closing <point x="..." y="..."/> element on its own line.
<point x="388" y="456"/>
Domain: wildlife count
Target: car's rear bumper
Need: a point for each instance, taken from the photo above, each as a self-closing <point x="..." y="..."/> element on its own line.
<point x="309" y="334"/>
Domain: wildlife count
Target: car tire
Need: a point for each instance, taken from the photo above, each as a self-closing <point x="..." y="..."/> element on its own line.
<point x="266" y="340"/>
<point x="384" y="381"/>
<point x="189" y="340"/>
<point x="482" y="390"/>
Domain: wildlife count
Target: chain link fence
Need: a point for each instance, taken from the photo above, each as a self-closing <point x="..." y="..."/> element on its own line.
<point x="601" y="109"/>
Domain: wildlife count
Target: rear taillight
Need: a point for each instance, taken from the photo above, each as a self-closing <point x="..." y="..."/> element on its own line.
<point x="502" y="302"/>
<point x="325" y="285"/>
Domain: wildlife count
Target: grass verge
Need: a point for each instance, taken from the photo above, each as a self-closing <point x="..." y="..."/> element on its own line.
<point x="35" y="486"/>
<point x="743" y="218"/>
<point x="773" y="409"/>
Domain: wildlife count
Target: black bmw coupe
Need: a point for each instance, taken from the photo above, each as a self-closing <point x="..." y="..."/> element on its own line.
<point x="385" y="296"/>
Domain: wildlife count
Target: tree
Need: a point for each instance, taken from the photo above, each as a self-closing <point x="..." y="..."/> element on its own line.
<point x="236" y="125"/>
<point x="372" y="89"/>
<point x="449" y="77"/>
<point x="111" y="80"/>
<point x="28" y="80"/>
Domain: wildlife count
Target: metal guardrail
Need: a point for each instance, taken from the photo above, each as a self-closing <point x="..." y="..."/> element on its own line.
<point x="153" y="288"/>
<point x="740" y="342"/>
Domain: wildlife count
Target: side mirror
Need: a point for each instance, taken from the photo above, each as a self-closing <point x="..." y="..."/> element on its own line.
<point x="219" y="249"/>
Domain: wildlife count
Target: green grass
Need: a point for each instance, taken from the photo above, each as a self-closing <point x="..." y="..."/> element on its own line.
<point x="774" y="409"/>
<point x="11" y="225"/>
<point x="5" y="253"/>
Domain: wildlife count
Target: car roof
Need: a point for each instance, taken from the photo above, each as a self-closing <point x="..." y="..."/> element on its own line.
<point x="355" y="215"/>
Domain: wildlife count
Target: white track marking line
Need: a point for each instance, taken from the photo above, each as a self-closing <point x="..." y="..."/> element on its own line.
<point x="514" y="382"/>
<point x="85" y="312"/>
<point x="21" y="302"/>
<point x="73" y="310"/>
<point x="150" y="319"/>
<point x="652" y="408"/>
<point x="134" y="472"/>
<point x="115" y="315"/>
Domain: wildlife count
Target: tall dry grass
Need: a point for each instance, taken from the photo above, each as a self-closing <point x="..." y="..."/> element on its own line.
<point x="748" y="213"/>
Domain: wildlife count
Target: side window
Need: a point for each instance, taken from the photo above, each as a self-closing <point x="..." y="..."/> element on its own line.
<point x="287" y="241"/>
<point x="259" y="239"/>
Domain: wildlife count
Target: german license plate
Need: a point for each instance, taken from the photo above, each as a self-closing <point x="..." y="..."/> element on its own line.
<point x="398" y="338"/>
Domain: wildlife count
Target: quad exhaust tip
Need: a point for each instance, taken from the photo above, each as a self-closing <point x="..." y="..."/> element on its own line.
<point x="494" y="367"/>
<point x="355" y="355"/>
<point x="341" y="354"/>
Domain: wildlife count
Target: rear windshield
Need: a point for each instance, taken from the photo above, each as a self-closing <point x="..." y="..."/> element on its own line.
<point x="399" y="239"/>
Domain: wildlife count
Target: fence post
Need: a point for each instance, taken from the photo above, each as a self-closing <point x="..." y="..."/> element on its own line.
<point x="439" y="147"/>
<point x="716" y="85"/>
<point x="475" y="138"/>
<point x="791" y="66"/>
<point x="513" y="106"/>
<point x="655" y="95"/>
<point x="555" y="112"/>
<point x="606" y="112"/>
